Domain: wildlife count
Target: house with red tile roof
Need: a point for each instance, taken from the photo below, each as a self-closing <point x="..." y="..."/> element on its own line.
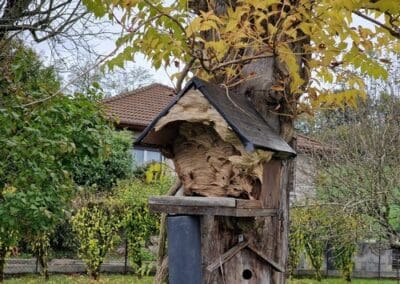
<point x="136" y="109"/>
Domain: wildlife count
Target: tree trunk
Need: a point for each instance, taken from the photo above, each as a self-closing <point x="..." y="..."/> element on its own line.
<point x="3" y="252"/>
<point x="95" y="273"/>
<point x="43" y="264"/>
<point x="278" y="182"/>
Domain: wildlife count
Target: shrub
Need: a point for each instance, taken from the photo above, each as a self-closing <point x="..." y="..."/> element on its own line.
<point x="96" y="226"/>
<point x="139" y="223"/>
<point x="104" y="173"/>
<point x="40" y="245"/>
<point x="313" y="227"/>
<point x="44" y="136"/>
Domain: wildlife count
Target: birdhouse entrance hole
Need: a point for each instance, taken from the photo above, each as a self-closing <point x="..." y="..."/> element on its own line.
<point x="247" y="274"/>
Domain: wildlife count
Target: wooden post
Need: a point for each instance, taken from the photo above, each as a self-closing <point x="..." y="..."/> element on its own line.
<point x="275" y="194"/>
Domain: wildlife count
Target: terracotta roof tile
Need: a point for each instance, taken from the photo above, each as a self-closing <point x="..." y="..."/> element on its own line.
<point x="136" y="109"/>
<point x="305" y="144"/>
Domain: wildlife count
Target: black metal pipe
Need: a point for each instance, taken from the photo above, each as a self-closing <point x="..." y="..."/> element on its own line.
<point x="184" y="250"/>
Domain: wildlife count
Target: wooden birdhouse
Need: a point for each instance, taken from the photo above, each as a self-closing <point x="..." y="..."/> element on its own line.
<point x="228" y="160"/>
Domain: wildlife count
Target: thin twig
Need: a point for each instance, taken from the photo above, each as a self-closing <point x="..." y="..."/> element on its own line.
<point x="393" y="32"/>
<point x="73" y="80"/>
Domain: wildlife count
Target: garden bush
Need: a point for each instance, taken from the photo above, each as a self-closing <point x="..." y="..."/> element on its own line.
<point x="138" y="222"/>
<point x="45" y="134"/>
<point x="316" y="228"/>
<point x="96" y="226"/>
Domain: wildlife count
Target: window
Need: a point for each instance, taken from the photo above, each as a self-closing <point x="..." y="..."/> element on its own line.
<point x="144" y="156"/>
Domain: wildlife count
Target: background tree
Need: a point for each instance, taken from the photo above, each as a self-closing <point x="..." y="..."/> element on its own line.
<point x="316" y="229"/>
<point x="112" y="82"/>
<point x="362" y="173"/>
<point x="41" y="147"/>
<point x="42" y="19"/>
<point x="103" y="173"/>
<point x="131" y="196"/>
<point x="66" y="24"/>
<point x="273" y="51"/>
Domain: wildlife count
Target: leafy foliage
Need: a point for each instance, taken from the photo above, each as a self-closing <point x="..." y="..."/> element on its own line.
<point x="316" y="228"/>
<point x="44" y="138"/>
<point x="308" y="38"/>
<point x="40" y="244"/>
<point x="138" y="221"/>
<point x="103" y="173"/>
<point x="96" y="226"/>
<point x="157" y="172"/>
<point x="296" y="240"/>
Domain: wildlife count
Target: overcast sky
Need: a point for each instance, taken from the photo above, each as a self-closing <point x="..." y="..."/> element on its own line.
<point x="106" y="46"/>
<point x="102" y="46"/>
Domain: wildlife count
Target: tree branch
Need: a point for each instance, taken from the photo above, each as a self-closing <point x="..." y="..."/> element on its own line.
<point x="241" y="60"/>
<point x="394" y="31"/>
<point x="183" y="74"/>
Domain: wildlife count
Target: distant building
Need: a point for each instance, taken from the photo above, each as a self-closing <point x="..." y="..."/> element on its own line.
<point x="134" y="111"/>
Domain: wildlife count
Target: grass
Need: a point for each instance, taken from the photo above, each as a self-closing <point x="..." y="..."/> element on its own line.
<point x="130" y="279"/>
<point x="341" y="281"/>
<point x="80" y="279"/>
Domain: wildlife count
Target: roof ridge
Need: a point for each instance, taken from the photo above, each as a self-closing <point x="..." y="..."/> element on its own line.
<point x="308" y="138"/>
<point x="136" y="91"/>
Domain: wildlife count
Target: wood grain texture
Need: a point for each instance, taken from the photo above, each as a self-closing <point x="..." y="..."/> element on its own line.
<point x="227" y="256"/>
<point x="192" y="201"/>
<point x="268" y="235"/>
<point x="242" y="203"/>
<point x="212" y="210"/>
<point x="246" y="268"/>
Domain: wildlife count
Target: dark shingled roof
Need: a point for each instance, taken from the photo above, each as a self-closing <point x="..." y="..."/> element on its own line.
<point x="240" y="115"/>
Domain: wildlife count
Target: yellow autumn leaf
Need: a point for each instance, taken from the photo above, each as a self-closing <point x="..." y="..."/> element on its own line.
<point x="219" y="47"/>
<point x="287" y="56"/>
<point x="194" y="26"/>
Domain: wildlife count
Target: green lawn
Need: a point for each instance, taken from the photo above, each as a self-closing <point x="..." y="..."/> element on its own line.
<point x="340" y="281"/>
<point x="80" y="279"/>
<point x="129" y="279"/>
